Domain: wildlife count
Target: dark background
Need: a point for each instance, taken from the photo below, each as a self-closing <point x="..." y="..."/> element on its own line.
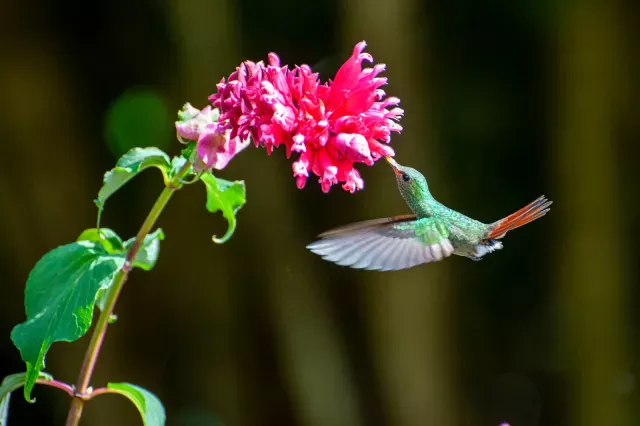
<point x="504" y="101"/>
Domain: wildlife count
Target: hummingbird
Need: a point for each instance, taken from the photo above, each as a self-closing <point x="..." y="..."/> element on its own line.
<point x="432" y="233"/>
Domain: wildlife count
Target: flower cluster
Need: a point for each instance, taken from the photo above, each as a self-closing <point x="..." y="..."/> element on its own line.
<point x="331" y="126"/>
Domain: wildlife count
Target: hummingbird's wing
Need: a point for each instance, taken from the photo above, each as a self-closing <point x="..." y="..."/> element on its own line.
<point x="386" y="244"/>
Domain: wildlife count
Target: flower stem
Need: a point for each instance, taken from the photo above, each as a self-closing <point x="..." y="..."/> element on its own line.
<point x="91" y="355"/>
<point x="56" y="384"/>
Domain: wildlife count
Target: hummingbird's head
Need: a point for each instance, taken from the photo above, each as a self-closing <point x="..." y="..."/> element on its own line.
<point x="411" y="183"/>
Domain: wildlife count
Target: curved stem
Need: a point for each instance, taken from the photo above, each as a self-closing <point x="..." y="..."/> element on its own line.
<point x="58" y="385"/>
<point x="98" y="392"/>
<point x="91" y="356"/>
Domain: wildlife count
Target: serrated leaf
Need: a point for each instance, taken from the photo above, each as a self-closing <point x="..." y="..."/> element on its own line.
<point x="10" y="384"/>
<point x="59" y="300"/>
<point x="148" y="254"/>
<point x="106" y="237"/>
<point x="149" y="406"/>
<point x="127" y="167"/>
<point x="228" y="197"/>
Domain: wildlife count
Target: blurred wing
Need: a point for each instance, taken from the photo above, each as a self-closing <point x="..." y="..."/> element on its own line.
<point x="368" y="224"/>
<point x="385" y="244"/>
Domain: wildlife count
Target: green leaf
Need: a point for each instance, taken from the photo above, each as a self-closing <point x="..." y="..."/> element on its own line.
<point x="10" y="384"/>
<point x="227" y="197"/>
<point x="60" y="298"/>
<point x="127" y="167"/>
<point x="148" y="404"/>
<point x="176" y="164"/>
<point x="14" y="381"/>
<point x="138" y="159"/>
<point x="148" y="255"/>
<point x="106" y="237"/>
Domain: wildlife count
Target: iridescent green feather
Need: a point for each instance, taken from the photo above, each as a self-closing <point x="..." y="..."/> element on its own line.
<point x="429" y="230"/>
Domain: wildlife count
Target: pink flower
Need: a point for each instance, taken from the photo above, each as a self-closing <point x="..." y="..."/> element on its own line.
<point x="331" y="126"/>
<point x="215" y="148"/>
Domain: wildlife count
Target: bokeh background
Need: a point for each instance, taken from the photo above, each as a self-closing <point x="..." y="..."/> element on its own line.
<point x="504" y="101"/>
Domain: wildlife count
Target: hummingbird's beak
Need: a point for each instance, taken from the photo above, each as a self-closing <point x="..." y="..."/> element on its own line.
<point x="395" y="166"/>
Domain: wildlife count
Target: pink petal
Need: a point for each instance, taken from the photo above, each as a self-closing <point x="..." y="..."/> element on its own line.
<point x="347" y="75"/>
<point x="215" y="149"/>
<point x="298" y="143"/>
<point x="209" y="144"/>
<point x="324" y="167"/>
<point x="285" y="116"/>
<point x="187" y="131"/>
<point x="193" y="121"/>
<point x="354" y="147"/>
<point x="274" y="59"/>
<point x="353" y="182"/>
<point x="379" y="150"/>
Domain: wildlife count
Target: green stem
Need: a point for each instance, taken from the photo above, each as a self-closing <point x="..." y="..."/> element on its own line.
<point x="91" y="356"/>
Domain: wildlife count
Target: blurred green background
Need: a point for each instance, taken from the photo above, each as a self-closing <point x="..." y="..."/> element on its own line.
<point x="504" y="101"/>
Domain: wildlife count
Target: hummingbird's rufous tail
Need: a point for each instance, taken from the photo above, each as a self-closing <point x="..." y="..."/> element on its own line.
<point x="529" y="213"/>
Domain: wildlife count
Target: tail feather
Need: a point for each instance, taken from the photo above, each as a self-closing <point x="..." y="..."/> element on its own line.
<point x="529" y="213"/>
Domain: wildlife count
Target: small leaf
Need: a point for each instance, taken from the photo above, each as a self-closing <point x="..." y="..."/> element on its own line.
<point x="176" y="164"/>
<point x="10" y="384"/>
<point x="106" y="237"/>
<point x="59" y="300"/>
<point x="148" y="255"/>
<point x="148" y="404"/>
<point x="226" y="196"/>
<point x="127" y="167"/>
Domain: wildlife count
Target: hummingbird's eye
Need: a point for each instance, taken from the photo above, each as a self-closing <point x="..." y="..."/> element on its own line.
<point x="406" y="177"/>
